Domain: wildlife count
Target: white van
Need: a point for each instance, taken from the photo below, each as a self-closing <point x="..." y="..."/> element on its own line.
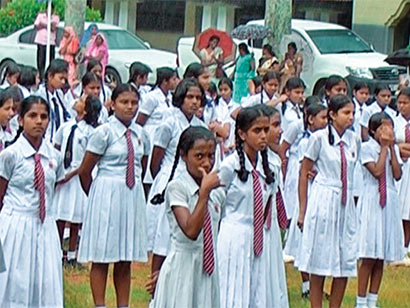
<point x="327" y="49"/>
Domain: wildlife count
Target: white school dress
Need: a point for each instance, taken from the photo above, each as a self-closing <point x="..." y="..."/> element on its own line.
<point x="114" y="227"/>
<point x="380" y="232"/>
<point x="32" y="250"/>
<point x="232" y="107"/>
<point x="277" y="292"/>
<point x="70" y="200"/>
<point x="329" y="240"/>
<point x="260" y="98"/>
<point x="404" y="183"/>
<point x="291" y="114"/>
<point x="242" y="275"/>
<point x="60" y="110"/>
<point x="216" y="110"/>
<point x="292" y="245"/>
<point x="166" y="137"/>
<point x="292" y="136"/>
<point x="5" y="85"/>
<point x="182" y="281"/>
<point x="358" y="174"/>
<point x="370" y="110"/>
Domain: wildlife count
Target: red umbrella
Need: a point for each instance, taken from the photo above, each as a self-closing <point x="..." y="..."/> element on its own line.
<point x="226" y="43"/>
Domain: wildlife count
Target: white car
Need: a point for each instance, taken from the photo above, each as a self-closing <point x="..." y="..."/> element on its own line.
<point x="124" y="48"/>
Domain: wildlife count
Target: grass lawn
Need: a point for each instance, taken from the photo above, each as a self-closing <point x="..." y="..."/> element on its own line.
<point x="395" y="290"/>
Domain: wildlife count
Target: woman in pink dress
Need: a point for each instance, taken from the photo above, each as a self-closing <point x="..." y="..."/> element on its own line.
<point x="99" y="51"/>
<point x="68" y="49"/>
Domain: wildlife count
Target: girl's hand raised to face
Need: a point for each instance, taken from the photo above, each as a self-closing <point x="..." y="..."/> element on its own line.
<point x="209" y="181"/>
<point x="386" y="134"/>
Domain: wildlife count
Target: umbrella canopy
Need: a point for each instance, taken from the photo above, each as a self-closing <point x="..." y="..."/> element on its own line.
<point x="253" y="32"/>
<point x="226" y="43"/>
<point x="399" y="57"/>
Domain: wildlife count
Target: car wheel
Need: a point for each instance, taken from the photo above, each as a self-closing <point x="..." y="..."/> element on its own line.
<point x="112" y="76"/>
<point x="3" y="68"/>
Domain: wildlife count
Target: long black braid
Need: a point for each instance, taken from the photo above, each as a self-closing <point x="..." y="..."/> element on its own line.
<point x="242" y="172"/>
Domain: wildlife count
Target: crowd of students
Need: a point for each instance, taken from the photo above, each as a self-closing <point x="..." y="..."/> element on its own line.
<point x="204" y="183"/>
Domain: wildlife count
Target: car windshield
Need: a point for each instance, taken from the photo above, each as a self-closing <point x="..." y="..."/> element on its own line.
<point x="338" y="41"/>
<point x="120" y="39"/>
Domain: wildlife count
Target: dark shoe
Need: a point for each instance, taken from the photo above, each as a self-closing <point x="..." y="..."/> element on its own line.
<point x="305" y="295"/>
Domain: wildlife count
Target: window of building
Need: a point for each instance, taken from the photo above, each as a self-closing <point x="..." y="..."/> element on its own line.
<point x="161" y="16"/>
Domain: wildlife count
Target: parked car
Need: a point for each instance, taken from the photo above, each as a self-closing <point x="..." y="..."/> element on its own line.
<point x="327" y="49"/>
<point x="124" y="48"/>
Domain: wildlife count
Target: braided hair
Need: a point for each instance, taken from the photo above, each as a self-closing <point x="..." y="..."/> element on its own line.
<point x="244" y="121"/>
<point x="336" y="103"/>
<point x="186" y="142"/>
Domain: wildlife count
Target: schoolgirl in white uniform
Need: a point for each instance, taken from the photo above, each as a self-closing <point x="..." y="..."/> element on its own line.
<point x="315" y="118"/>
<point x="382" y="95"/>
<point x="402" y="133"/>
<point x="189" y="275"/>
<point x="138" y="77"/>
<point x="188" y="98"/>
<point x="60" y="111"/>
<point x="29" y="170"/>
<point x="334" y="85"/>
<point x="248" y="183"/>
<point x="291" y="109"/>
<point x="328" y="215"/>
<point x="114" y="227"/>
<point x="69" y="198"/>
<point x="380" y="234"/>
<point x="11" y="75"/>
<point x="6" y="114"/>
<point x="28" y="81"/>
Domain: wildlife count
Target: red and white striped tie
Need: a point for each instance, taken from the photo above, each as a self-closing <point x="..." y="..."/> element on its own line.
<point x="257" y="215"/>
<point x="269" y="214"/>
<point x="130" y="176"/>
<point x="407" y="133"/>
<point x="209" y="261"/>
<point x="280" y="207"/>
<point x="39" y="184"/>
<point x="343" y="172"/>
<point x="382" y="189"/>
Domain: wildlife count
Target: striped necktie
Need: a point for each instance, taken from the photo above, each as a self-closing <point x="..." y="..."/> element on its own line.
<point x="407" y="133"/>
<point x="257" y="215"/>
<point x="280" y="207"/>
<point x="343" y="172"/>
<point x="208" y="261"/>
<point x="130" y="176"/>
<point x="39" y="184"/>
<point x="382" y="188"/>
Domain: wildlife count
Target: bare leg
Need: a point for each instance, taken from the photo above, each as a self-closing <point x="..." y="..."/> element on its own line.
<point x="122" y="282"/>
<point x="338" y="291"/>
<point x="73" y="237"/>
<point x="406" y="227"/>
<point x="305" y="276"/>
<point x="60" y="227"/>
<point x="365" y="270"/>
<point x="316" y="290"/>
<point x="376" y="277"/>
<point x="98" y="281"/>
<point x="157" y="261"/>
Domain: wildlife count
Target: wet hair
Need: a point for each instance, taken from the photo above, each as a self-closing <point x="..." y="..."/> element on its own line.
<point x="313" y="110"/>
<point x="93" y="63"/>
<point x="164" y="74"/>
<point x="270" y="75"/>
<point x="376" y="120"/>
<point x="186" y="142"/>
<point x="381" y="87"/>
<point x="244" y="47"/>
<point x="334" y="80"/>
<point x="11" y="69"/>
<point x="138" y="69"/>
<point x="227" y="81"/>
<point x="244" y="121"/>
<point x="336" y="103"/>
<point x="293" y="45"/>
<point x="122" y="88"/>
<point x="93" y="108"/>
<point x="28" y="76"/>
<point x="269" y="49"/>
<point x="361" y="85"/>
<point x="194" y="70"/>
<point x="57" y="66"/>
<point x="183" y="88"/>
<point x="88" y="78"/>
<point x="405" y="92"/>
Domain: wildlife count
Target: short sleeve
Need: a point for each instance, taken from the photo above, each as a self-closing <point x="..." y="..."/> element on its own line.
<point x="368" y="154"/>
<point x="314" y="147"/>
<point x="148" y="104"/>
<point x="7" y="163"/>
<point x="162" y="136"/>
<point x="58" y="137"/>
<point x="249" y="102"/>
<point x="60" y="173"/>
<point x="218" y="196"/>
<point x="291" y="134"/>
<point x="396" y="149"/>
<point x="176" y="195"/>
<point x="146" y="142"/>
<point x="364" y="120"/>
<point x="38" y="20"/>
<point x="226" y="172"/>
<point x="98" y="141"/>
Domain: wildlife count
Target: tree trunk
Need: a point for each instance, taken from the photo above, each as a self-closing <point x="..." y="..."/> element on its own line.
<point x="278" y="15"/>
<point x="75" y="15"/>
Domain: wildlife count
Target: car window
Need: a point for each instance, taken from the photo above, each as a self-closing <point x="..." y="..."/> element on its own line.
<point x="338" y="41"/>
<point x="28" y="37"/>
<point x="120" y="39"/>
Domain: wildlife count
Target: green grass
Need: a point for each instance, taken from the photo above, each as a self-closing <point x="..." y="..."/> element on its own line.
<point x="394" y="293"/>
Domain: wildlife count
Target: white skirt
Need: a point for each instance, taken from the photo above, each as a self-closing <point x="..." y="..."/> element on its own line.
<point x="2" y="265"/>
<point x="70" y="201"/>
<point x="182" y="282"/>
<point x="380" y="231"/>
<point x="329" y="240"/>
<point x="404" y="191"/>
<point x="292" y="244"/>
<point x="33" y="259"/>
<point x="358" y="179"/>
<point x="114" y="227"/>
<point x="290" y="188"/>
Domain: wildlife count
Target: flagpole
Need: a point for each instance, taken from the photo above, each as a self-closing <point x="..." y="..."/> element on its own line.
<point x="49" y="17"/>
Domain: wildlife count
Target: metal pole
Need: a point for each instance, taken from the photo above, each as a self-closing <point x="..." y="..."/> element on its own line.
<point x="49" y="17"/>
